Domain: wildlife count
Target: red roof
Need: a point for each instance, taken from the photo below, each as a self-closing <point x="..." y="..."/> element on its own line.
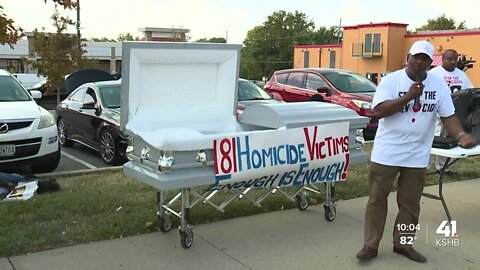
<point x="437" y="59"/>
<point x="373" y="25"/>
<point x="319" y="46"/>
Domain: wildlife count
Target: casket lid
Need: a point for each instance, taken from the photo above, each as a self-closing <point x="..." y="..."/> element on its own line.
<point x="300" y="114"/>
<point x="167" y="83"/>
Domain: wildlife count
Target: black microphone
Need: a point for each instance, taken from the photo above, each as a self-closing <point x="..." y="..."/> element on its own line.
<point x="416" y="102"/>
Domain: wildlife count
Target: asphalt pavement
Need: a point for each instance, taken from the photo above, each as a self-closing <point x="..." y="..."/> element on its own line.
<point x="283" y="240"/>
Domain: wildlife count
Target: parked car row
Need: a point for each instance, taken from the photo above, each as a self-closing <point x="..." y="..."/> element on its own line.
<point x="90" y="114"/>
<point x="341" y="87"/>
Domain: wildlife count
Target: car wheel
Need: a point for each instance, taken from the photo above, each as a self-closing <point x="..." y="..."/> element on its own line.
<point x="62" y="134"/>
<point x="49" y="166"/>
<point x="108" y="148"/>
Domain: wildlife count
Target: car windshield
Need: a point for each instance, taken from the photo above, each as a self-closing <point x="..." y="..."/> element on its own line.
<point x="11" y="90"/>
<point x="110" y="95"/>
<point x="249" y="91"/>
<point x="350" y="82"/>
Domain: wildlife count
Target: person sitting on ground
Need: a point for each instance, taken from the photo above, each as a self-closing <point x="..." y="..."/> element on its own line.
<point x="8" y="182"/>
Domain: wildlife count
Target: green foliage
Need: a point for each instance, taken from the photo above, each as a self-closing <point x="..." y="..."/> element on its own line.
<point x="212" y="40"/>
<point x="59" y="53"/>
<point x="269" y="47"/>
<point x="110" y="205"/>
<point x="442" y="23"/>
<point x="104" y="39"/>
<point x="10" y="34"/>
<point x="127" y="37"/>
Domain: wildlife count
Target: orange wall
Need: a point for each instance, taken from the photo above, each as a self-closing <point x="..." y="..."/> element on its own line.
<point x="396" y="44"/>
<point x="463" y="42"/>
<point x="349" y="38"/>
<point x="395" y="49"/>
<point x="319" y="55"/>
<point x="390" y="58"/>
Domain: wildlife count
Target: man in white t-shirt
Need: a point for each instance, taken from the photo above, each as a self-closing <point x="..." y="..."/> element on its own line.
<point x="455" y="79"/>
<point x="407" y="102"/>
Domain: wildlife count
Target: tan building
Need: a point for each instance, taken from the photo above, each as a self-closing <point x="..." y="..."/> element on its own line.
<point x="164" y="34"/>
<point x="376" y="49"/>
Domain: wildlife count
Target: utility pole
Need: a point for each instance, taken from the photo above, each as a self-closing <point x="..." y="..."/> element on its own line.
<point x="78" y="25"/>
<point x="338" y="30"/>
<point x="265" y="55"/>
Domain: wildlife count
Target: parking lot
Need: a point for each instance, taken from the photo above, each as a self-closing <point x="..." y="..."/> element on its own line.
<point x="79" y="157"/>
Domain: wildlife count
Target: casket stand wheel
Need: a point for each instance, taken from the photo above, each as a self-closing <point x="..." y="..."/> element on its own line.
<point x="303" y="201"/>
<point x="185" y="229"/>
<point x="330" y="212"/>
<point x="329" y="205"/>
<point x="165" y="222"/>
<point x="186" y="238"/>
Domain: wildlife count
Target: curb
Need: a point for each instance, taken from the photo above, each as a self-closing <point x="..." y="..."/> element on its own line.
<point x="80" y="172"/>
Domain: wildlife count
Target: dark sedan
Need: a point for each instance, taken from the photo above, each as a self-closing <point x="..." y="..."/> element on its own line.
<point x="90" y="115"/>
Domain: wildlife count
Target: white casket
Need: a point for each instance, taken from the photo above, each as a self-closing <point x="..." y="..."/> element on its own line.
<point x="178" y="97"/>
<point x="179" y="108"/>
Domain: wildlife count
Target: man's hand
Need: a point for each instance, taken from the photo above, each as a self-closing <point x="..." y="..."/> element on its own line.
<point x="415" y="90"/>
<point x="467" y="140"/>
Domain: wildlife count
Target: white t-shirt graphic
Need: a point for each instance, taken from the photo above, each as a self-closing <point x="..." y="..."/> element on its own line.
<point x="405" y="138"/>
<point x="455" y="80"/>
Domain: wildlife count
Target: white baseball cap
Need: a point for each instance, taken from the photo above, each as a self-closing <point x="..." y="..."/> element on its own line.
<point x="422" y="46"/>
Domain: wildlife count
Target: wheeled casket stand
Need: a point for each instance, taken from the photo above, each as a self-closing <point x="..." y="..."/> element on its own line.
<point x="179" y="97"/>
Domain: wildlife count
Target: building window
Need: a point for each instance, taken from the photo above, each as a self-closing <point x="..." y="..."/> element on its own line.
<point x="368" y="43"/>
<point x="376" y="43"/>
<point x="332" y="59"/>
<point x="306" y="59"/>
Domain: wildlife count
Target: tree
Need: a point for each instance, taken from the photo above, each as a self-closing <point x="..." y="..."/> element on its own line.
<point x="127" y="37"/>
<point x="104" y="39"/>
<point x="10" y="34"/>
<point x="269" y="47"/>
<point x="59" y="54"/>
<point x="212" y="40"/>
<point x="442" y="23"/>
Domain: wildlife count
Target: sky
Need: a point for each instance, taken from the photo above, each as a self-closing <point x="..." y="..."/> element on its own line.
<point x="231" y="19"/>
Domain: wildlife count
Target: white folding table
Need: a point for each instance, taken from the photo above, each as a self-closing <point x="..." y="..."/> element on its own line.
<point x="455" y="153"/>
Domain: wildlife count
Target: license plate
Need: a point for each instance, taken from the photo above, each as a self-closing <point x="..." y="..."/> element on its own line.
<point x="7" y="150"/>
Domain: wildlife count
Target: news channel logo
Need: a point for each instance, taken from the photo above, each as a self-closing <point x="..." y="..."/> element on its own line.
<point x="447" y="234"/>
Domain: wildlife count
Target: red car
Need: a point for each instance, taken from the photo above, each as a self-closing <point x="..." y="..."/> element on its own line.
<point x="342" y="87"/>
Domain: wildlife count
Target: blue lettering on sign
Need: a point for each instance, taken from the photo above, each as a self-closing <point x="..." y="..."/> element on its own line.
<point x="301" y="177"/>
<point x="281" y="161"/>
<point x="248" y="158"/>
<point x="300" y="173"/>
<point x="262" y="182"/>
<point x="245" y="152"/>
<point x="258" y="162"/>
<point x="219" y="178"/>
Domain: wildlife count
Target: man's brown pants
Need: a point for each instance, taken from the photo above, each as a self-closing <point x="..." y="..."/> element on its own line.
<point x="410" y="187"/>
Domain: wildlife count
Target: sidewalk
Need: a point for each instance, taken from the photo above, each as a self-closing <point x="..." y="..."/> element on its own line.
<point x="282" y="240"/>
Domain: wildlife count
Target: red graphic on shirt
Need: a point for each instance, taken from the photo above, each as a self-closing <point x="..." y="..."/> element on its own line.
<point x="452" y="80"/>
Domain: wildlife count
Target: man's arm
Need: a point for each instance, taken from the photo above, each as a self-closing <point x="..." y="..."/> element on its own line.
<point x="392" y="106"/>
<point x="455" y="129"/>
